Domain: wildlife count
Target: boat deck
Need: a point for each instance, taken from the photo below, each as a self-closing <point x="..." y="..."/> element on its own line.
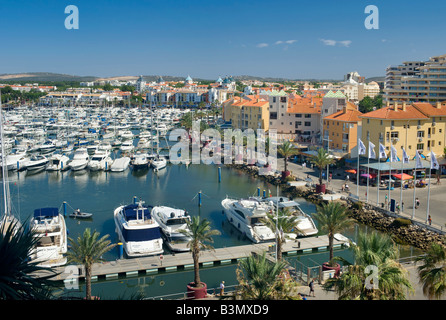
<point x="184" y="261"/>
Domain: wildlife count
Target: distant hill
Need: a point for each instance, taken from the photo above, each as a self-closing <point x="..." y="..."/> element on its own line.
<point x="43" y="77"/>
<point x="55" y="77"/>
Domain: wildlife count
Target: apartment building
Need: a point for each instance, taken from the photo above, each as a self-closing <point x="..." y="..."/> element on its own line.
<point x="340" y="130"/>
<point x="417" y="81"/>
<point x="417" y="126"/>
<point x="247" y="112"/>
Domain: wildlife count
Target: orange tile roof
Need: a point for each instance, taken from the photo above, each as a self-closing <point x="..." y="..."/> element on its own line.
<point x="348" y="115"/>
<point x="431" y="110"/>
<point x="249" y="101"/>
<point x="389" y="113"/>
<point x="304" y="105"/>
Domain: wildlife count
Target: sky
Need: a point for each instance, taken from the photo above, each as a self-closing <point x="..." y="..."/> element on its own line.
<point x="206" y="39"/>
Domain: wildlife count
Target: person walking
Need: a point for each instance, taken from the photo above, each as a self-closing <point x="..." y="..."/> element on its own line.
<point x="311" y="285"/>
<point x="222" y="288"/>
<point x="417" y="203"/>
<point x="429" y="219"/>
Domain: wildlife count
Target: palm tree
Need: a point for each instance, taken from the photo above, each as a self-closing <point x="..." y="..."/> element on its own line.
<point x="332" y="218"/>
<point x="286" y="150"/>
<point x="281" y="224"/>
<point x="321" y="160"/>
<point x="261" y="279"/>
<point x="199" y="231"/>
<point x="86" y="251"/>
<point x="432" y="271"/>
<point x="17" y="273"/>
<point x="388" y="280"/>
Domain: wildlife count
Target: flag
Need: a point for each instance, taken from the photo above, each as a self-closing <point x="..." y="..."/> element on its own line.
<point x="382" y="151"/>
<point x="393" y="156"/>
<point x="361" y="147"/>
<point x="418" y="164"/>
<point x="434" y="162"/>
<point x="405" y="157"/>
<point x="372" y="154"/>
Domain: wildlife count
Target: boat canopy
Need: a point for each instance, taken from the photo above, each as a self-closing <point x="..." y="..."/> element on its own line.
<point x="130" y="212"/>
<point x="46" y="212"/>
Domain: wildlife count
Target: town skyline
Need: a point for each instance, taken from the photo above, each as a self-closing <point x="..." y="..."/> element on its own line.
<point x="201" y="39"/>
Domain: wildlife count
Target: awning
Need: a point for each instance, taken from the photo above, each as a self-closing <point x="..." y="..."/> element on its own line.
<point x="405" y="176"/>
<point x="351" y="171"/>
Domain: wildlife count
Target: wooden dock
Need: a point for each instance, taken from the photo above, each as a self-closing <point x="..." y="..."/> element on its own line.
<point x="183" y="261"/>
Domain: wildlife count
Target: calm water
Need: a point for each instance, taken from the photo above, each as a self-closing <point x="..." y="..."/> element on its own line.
<point x="176" y="186"/>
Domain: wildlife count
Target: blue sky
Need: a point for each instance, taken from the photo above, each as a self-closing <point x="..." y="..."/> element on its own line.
<point x="207" y="39"/>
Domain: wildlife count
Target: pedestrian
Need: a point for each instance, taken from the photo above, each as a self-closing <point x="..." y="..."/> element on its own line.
<point x="398" y="207"/>
<point x="417" y="203"/>
<point x="347" y="178"/>
<point x="302" y="296"/>
<point x="429" y="220"/>
<point x="402" y="205"/>
<point x="311" y="285"/>
<point x="222" y="288"/>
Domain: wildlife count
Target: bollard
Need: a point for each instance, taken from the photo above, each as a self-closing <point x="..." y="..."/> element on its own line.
<point x="258" y="192"/>
<point x="121" y="250"/>
<point x="18" y="166"/>
<point x="65" y="208"/>
<point x="135" y="199"/>
<point x="199" y="199"/>
<point x="264" y="193"/>
<point x="219" y="174"/>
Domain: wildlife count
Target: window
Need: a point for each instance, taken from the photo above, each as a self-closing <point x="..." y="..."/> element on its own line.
<point x="308" y="116"/>
<point x="298" y="115"/>
<point x="394" y="135"/>
<point x="420" y="134"/>
<point x="420" y="146"/>
<point x="307" y="124"/>
<point x="273" y="115"/>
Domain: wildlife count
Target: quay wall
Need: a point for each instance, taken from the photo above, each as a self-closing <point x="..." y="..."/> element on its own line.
<point x="402" y="230"/>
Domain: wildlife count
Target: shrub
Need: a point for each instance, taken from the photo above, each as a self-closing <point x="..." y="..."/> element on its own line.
<point x="402" y="222"/>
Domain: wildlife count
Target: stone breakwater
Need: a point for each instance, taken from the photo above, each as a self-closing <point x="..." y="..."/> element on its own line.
<point x="402" y="230"/>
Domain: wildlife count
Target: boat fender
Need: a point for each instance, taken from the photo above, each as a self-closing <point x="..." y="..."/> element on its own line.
<point x="162" y="283"/>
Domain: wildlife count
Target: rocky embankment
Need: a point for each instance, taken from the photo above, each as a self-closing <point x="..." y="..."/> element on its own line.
<point x="402" y="230"/>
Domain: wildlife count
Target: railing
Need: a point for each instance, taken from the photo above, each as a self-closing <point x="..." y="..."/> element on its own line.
<point x="212" y="292"/>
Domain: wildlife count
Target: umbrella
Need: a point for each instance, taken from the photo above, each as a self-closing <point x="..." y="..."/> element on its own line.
<point x="365" y="175"/>
<point x="405" y="176"/>
<point x="351" y="171"/>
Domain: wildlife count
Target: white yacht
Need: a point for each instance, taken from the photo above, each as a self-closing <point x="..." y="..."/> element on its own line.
<point x="101" y="160"/>
<point x="47" y="147"/>
<point x="246" y="215"/>
<point x="172" y="220"/>
<point x="304" y="222"/>
<point x="36" y="162"/>
<point x="159" y="163"/>
<point x="127" y="146"/>
<point x="80" y="159"/>
<point x="48" y="225"/>
<point x="137" y="230"/>
<point x="139" y="160"/>
<point x="58" y="162"/>
<point x="17" y="160"/>
<point x="120" y="164"/>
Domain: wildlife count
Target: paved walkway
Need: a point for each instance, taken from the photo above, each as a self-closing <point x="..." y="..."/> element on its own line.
<point x="437" y="203"/>
<point x="321" y="294"/>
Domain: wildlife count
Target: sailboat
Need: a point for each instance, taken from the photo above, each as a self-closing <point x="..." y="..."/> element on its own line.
<point x="8" y="220"/>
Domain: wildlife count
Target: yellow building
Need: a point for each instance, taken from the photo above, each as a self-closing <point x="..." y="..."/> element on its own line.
<point x="417" y="126"/>
<point x="340" y="129"/>
<point x="247" y="112"/>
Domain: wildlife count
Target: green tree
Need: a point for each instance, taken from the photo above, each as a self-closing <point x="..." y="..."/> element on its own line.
<point x="366" y="105"/>
<point x="321" y="160"/>
<point x="200" y="234"/>
<point x="261" y="279"/>
<point x="17" y="273"/>
<point x="375" y="275"/>
<point x="432" y="271"/>
<point x="87" y="250"/>
<point x="286" y="150"/>
<point x="332" y="218"/>
<point x="281" y="224"/>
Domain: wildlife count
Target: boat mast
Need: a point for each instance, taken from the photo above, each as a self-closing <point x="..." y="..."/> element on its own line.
<point x="6" y="192"/>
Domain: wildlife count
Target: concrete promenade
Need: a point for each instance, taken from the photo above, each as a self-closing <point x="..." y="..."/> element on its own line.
<point x="437" y="203"/>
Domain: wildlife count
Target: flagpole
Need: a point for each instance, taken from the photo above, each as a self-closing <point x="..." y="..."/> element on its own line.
<point x="357" y="174"/>
<point x="368" y="174"/>
<point x="414" y="187"/>
<point x="390" y="177"/>
<point x="428" y="192"/>
<point x="401" y="180"/>
<point x="379" y="177"/>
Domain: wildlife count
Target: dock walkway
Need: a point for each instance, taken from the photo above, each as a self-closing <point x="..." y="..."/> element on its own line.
<point x="184" y="261"/>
